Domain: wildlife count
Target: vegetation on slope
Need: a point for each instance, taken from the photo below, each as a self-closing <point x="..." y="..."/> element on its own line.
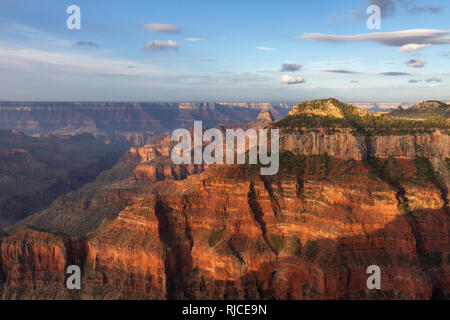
<point x="424" y="110"/>
<point x="334" y="115"/>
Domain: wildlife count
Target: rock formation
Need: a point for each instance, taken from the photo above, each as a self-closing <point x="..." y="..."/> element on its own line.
<point x="342" y="200"/>
<point x="265" y="116"/>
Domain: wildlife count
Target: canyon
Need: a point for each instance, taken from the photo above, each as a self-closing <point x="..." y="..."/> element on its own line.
<point x="135" y="121"/>
<point x="342" y="200"/>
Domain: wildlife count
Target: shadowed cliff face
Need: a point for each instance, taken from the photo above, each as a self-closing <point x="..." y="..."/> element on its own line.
<point x="36" y="171"/>
<point x="309" y="232"/>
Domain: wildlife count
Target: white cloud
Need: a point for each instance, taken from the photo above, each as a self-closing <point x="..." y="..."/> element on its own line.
<point x="160" y="27"/>
<point x="157" y="45"/>
<point x="413" y="48"/>
<point x="265" y="48"/>
<point x="286" y="79"/>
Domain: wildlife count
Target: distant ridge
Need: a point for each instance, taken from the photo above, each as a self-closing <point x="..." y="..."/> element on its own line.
<point x="431" y="109"/>
<point x="127" y="118"/>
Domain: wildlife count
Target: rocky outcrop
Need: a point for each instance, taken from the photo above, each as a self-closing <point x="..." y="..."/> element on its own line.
<point x="346" y="131"/>
<point x="153" y="173"/>
<point x="32" y="259"/>
<point x="347" y="145"/>
<point x="327" y="107"/>
<point x="342" y="145"/>
<point x="265" y="116"/>
<point x="432" y="145"/>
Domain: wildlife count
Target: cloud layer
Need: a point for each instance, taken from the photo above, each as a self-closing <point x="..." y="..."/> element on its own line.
<point x="389" y="7"/>
<point x="395" y="38"/>
<point x="157" y="45"/>
<point x="434" y="80"/>
<point x="87" y="44"/>
<point x="340" y="71"/>
<point x="416" y="63"/>
<point x="394" y="74"/>
<point x="160" y="27"/>
<point x="290" y="67"/>
<point x="265" y="48"/>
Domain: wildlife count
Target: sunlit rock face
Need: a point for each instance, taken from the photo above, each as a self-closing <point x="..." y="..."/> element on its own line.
<point x="265" y="116"/>
<point x="342" y="130"/>
<point x="344" y="144"/>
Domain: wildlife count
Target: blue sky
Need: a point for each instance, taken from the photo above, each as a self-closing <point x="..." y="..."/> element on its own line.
<point x="224" y="50"/>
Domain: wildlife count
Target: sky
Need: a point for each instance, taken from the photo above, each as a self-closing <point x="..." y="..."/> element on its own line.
<point x="274" y="51"/>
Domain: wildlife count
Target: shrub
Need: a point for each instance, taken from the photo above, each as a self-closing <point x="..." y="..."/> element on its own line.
<point x="277" y="242"/>
<point x="310" y="251"/>
<point x="260" y="246"/>
<point x="432" y="259"/>
<point x="290" y="161"/>
<point x="215" y="237"/>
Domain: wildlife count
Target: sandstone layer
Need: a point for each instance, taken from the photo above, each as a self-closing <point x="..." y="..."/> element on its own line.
<point x="345" y="144"/>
